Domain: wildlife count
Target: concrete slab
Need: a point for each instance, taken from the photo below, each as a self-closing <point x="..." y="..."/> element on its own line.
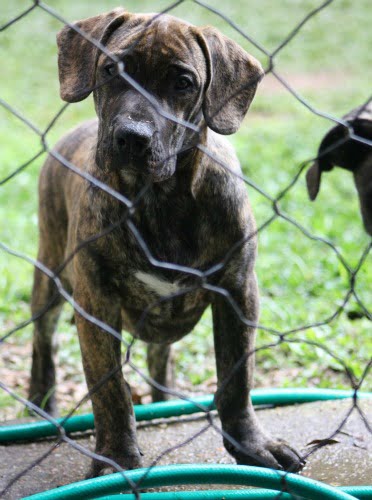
<point x="346" y="462"/>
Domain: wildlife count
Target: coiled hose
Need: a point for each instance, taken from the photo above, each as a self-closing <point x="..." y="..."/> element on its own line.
<point x="171" y="475"/>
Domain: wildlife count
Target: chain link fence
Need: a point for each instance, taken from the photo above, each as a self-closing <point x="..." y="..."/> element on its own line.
<point x="203" y="279"/>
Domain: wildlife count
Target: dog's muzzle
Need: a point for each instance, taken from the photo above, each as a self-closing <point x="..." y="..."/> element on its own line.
<point x="141" y="151"/>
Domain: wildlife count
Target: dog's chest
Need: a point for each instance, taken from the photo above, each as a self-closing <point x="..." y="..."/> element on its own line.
<point x="157" y="309"/>
<point x="143" y="266"/>
<point x="161" y="293"/>
<point x="156" y="285"/>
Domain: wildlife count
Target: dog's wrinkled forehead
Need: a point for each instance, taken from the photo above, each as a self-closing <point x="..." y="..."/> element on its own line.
<point x="156" y="41"/>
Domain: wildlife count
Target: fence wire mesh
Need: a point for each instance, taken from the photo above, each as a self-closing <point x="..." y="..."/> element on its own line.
<point x="205" y="278"/>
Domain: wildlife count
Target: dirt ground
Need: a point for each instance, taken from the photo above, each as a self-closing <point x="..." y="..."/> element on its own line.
<point x="347" y="461"/>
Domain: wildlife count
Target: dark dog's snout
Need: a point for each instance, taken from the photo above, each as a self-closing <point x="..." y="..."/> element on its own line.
<point x="133" y="139"/>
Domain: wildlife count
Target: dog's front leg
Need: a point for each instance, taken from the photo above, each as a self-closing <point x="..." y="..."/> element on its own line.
<point x="110" y="394"/>
<point x="234" y="346"/>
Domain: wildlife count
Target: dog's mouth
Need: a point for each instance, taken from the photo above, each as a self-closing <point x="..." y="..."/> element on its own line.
<point x="155" y="170"/>
<point x="161" y="170"/>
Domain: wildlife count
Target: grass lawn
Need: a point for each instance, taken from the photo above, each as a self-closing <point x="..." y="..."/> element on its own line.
<point x="302" y="280"/>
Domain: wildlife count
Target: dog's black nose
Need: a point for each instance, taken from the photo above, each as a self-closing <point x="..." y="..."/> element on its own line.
<point x="133" y="138"/>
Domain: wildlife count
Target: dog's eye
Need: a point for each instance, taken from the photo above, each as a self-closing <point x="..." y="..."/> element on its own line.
<point x="111" y="69"/>
<point x="183" y="83"/>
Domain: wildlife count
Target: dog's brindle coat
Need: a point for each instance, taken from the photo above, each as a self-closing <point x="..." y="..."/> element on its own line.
<point x="192" y="214"/>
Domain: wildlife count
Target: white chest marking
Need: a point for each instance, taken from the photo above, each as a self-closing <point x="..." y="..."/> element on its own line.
<point x="158" y="285"/>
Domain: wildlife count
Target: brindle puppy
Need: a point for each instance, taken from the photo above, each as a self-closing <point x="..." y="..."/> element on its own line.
<point x="192" y="214"/>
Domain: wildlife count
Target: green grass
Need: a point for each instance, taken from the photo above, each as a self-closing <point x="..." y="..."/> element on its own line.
<point x="302" y="282"/>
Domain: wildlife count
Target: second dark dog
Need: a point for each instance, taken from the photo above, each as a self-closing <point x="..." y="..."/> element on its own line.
<point x="337" y="149"/>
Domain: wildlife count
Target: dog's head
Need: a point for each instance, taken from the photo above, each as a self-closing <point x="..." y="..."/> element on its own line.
<point x="338" y="149"/>
<point x="176" y="73"/>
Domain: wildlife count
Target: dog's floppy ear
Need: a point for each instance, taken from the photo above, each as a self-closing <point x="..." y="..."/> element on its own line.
<point x="233" y="76"/>
<point x="313" y="177"/>
<point x="327" y="158"/>
<point x="77" y="56"/>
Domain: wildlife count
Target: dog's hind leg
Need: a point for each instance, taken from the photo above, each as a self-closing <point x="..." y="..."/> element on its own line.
<point x="46" y="302"/>
<point x="46" y="306"/>
<point x="159" y="362"/>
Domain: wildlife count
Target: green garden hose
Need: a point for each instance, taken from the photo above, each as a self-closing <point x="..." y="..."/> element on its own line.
<point x="172" y="475"/>
<point x="173" y="408"/>
<point x="109" y="487"/>
<point x="360" y="492"/>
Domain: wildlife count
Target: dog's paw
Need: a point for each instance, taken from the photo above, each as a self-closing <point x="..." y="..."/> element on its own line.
<point x="107" y="470"/>
<point x="263" y="451"/>
<point x="101" y="468"/>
